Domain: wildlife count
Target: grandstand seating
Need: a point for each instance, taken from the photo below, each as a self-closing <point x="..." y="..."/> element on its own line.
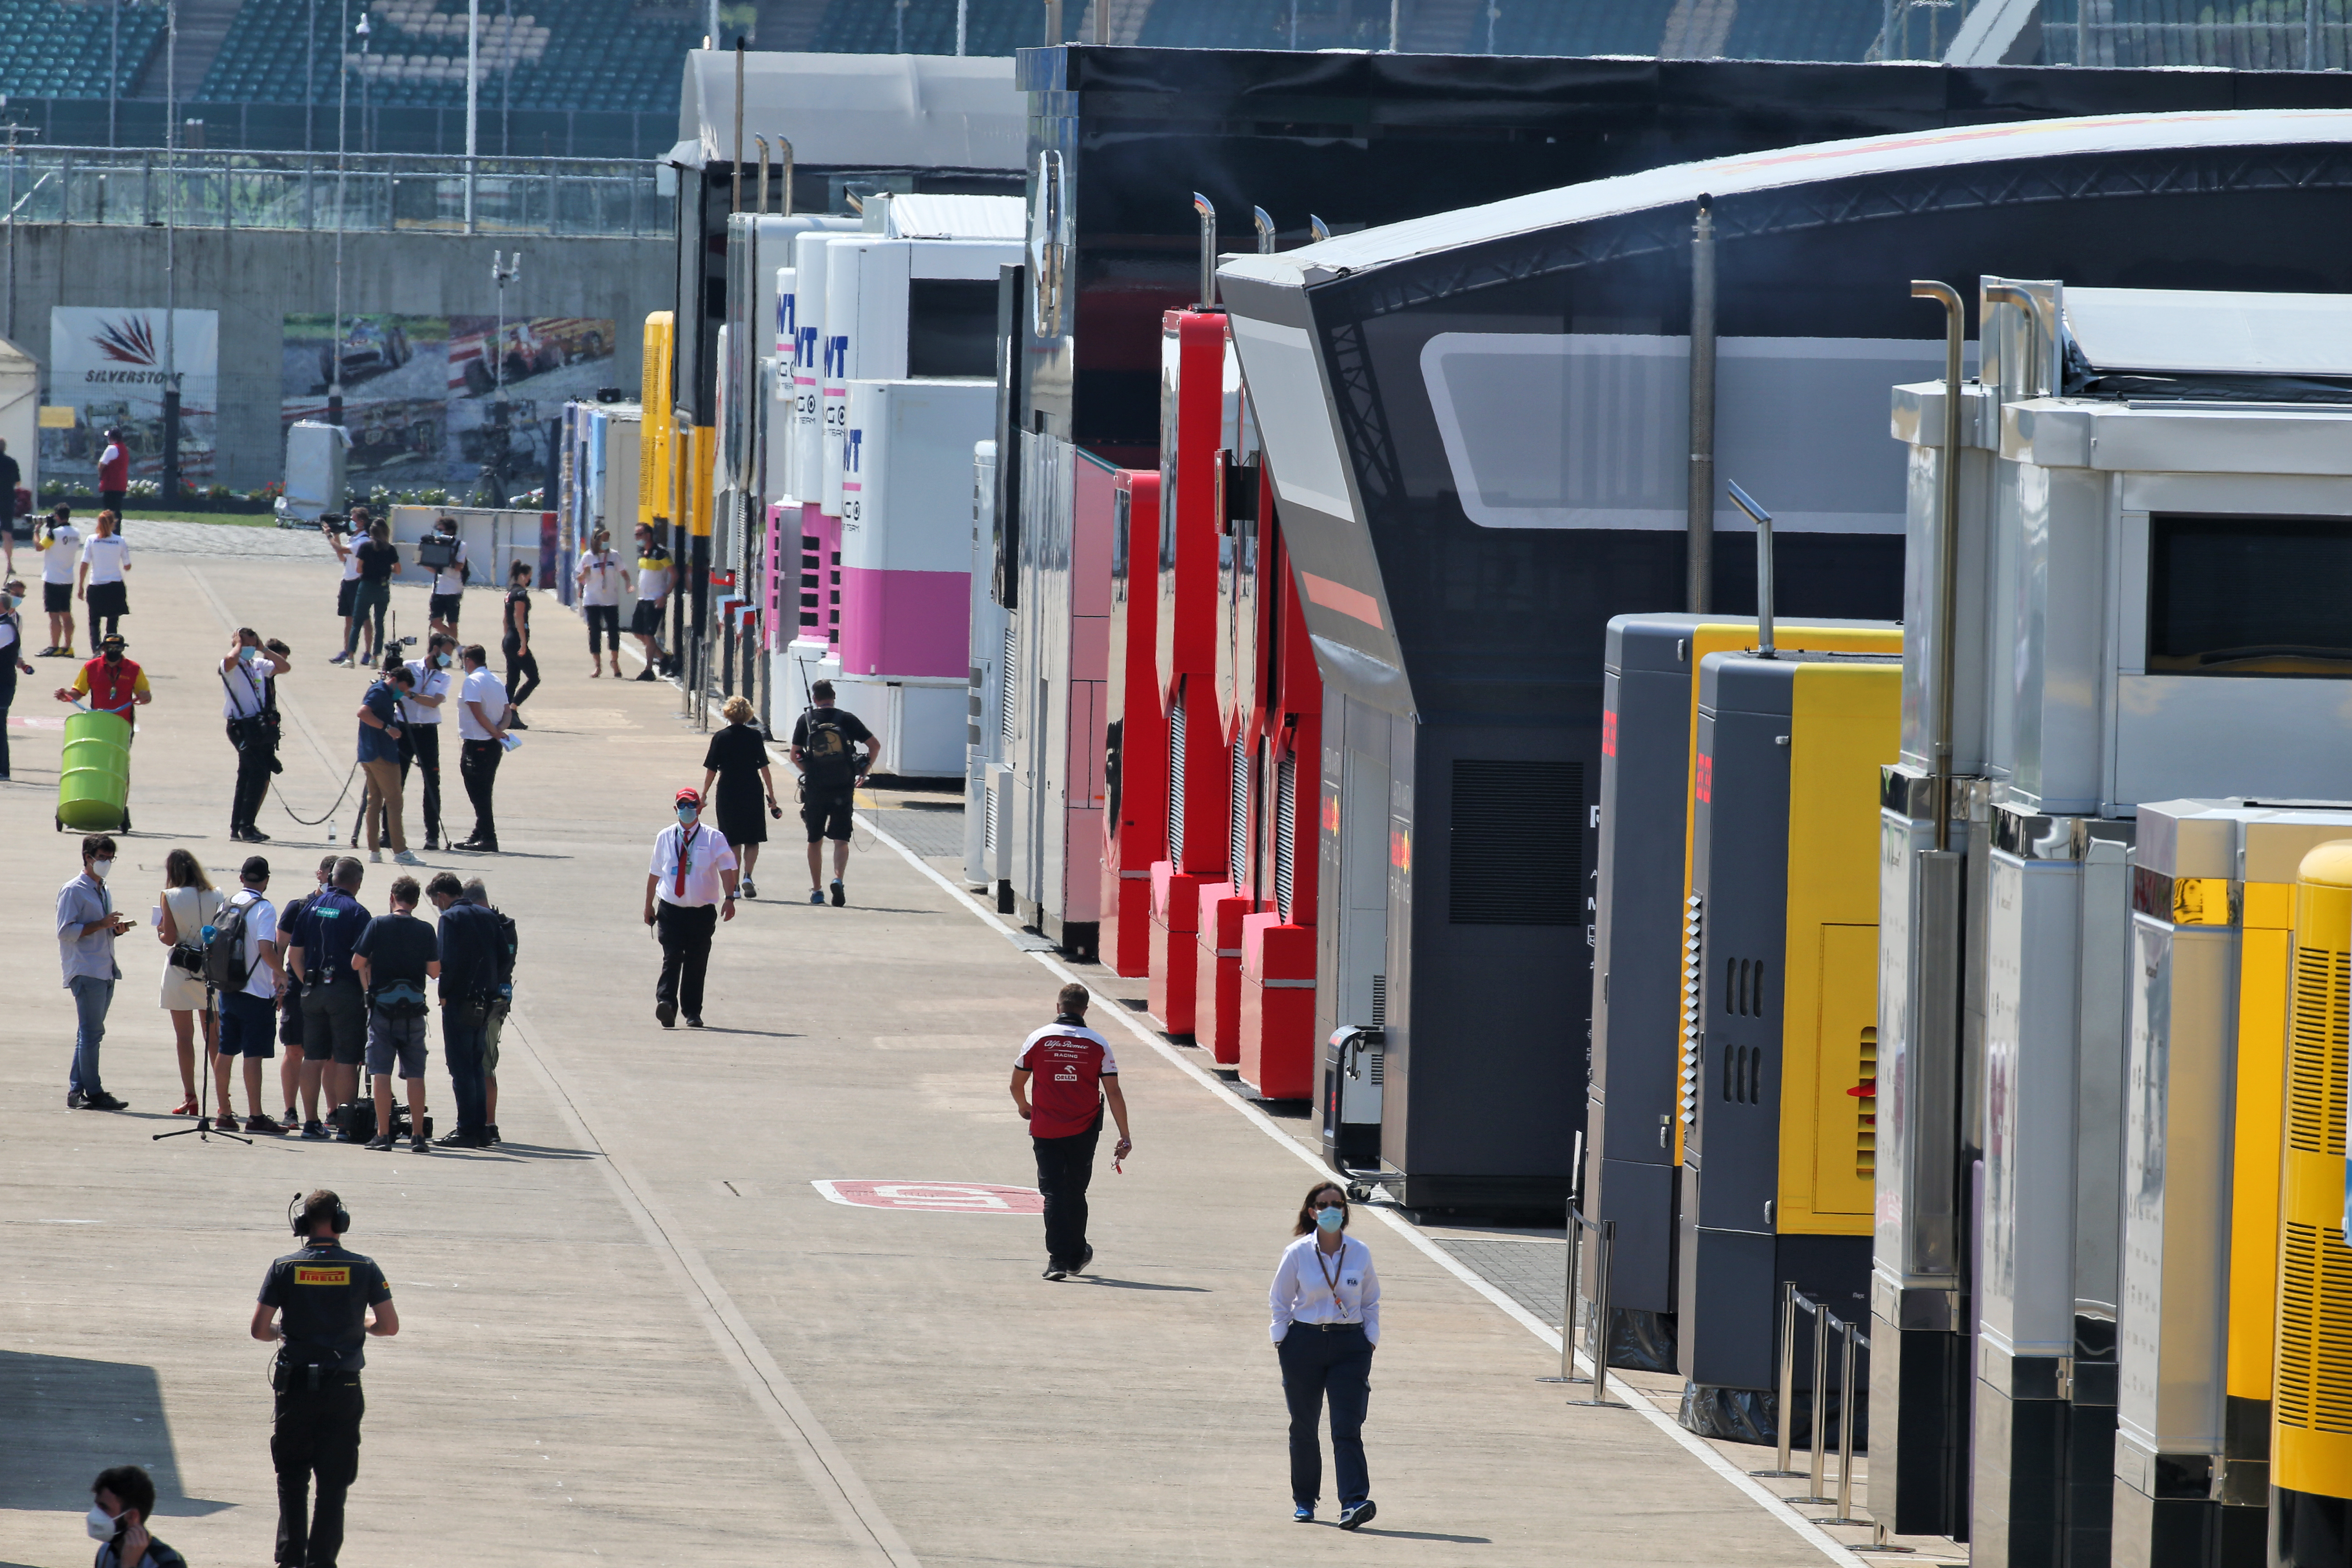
<point x="569" y="54"/>
<point x="48" y="49"/>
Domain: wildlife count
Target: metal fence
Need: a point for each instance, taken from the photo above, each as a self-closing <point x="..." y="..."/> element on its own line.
<point x="302" y="190"/>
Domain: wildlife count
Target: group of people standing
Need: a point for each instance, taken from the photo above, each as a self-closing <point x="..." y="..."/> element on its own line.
<point x="337" y="987"/>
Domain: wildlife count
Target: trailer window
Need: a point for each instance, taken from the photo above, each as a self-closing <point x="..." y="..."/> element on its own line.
<point x="2249" y="595"/>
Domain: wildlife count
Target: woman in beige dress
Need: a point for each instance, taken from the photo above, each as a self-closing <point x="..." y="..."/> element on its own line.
<point x="189" y="905"/>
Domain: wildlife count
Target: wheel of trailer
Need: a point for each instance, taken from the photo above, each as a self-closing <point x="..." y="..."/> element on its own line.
<point x="1358" y="1194"/>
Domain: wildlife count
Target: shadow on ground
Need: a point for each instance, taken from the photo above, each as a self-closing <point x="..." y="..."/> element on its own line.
<point x="63" y="1420"/>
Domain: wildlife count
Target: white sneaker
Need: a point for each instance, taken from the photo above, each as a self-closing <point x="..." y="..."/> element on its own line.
<point x="375" y="857"/>
<point x="407" y="858"/>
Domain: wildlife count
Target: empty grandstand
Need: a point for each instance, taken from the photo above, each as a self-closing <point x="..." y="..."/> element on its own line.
<point x="600" y="77"/>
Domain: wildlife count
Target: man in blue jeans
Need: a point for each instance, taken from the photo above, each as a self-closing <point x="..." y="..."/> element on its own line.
<point x="468" y="953"/>
<point x="87" y="923"/>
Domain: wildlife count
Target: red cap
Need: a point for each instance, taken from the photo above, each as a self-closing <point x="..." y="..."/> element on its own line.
<point x="688" y="797"/>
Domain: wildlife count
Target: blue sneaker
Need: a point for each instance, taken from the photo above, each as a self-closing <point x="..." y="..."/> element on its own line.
<point x="1358" y="1514"/>
<point x="816" y="896"/>
<point x="1302" y="1514"/>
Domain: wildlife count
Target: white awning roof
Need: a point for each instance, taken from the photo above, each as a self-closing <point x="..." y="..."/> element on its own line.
<point x="919" y="215"/>
<point x="1683" y="184"/>
<point x="2212" y="332"/>
<point x="855" y="112"/>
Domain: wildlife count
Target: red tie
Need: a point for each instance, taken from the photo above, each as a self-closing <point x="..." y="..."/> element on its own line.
<point x="685" y="858"/>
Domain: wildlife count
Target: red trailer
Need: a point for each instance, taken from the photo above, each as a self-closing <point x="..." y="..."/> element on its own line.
<point x="1135" y="749"/>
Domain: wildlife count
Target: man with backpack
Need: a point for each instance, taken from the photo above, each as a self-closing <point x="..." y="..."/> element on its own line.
<point x="824" y="750"/>
<point x="241" y="965"/>
<point x="395" y="959"/>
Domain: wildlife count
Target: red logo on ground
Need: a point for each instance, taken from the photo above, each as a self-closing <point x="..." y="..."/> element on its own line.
<point x="934" y="1197"/>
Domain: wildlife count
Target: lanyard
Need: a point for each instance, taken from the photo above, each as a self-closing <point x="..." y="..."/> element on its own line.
<point x="1330" y="1278"/>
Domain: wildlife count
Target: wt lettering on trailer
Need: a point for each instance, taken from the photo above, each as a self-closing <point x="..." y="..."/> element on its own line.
<point x="933" y="1197"/>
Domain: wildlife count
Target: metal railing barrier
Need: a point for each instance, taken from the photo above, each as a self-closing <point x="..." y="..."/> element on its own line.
<point x="1823" y="1319"/>
<point x="1783" y="1415"/>
<point x="1605" y="1232"/>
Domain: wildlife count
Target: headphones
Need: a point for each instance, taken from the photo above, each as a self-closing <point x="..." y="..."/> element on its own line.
<point x="304" y="1217"/>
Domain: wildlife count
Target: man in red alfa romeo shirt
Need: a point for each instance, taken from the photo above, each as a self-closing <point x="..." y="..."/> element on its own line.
<point x="1060" y="1080"/>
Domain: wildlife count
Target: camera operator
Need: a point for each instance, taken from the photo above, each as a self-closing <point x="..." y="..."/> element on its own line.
<point x="327" y="1299"/>
<point x="444" y="554"/>
<point x="246" y="672"/>
<point x="59" y="542"/>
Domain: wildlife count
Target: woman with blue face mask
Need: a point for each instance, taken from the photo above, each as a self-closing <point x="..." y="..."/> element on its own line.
<point x="12" y="660"/>
<point x="1327" y="1318"/>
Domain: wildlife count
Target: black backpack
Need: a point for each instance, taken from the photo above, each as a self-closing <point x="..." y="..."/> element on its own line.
<point x="509" y="942"/>
<point x="224" y="966"/>
<point x="828" y="756"/>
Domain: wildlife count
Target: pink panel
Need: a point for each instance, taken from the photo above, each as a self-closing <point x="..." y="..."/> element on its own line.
<point x="905" y="624"/>
<point x="818" y="580"/>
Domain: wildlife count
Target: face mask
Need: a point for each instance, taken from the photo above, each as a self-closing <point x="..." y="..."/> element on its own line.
<point x="248" y="654"/>
<point x="1330" y="1219"/>
<point x="686" y="816"/>
<point x="100" y="1523"/>
<point x="441" y="661"/>
<point x="100" y="869"/>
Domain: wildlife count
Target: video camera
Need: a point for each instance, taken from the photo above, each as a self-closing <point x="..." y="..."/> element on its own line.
<point x="437" y="551"/>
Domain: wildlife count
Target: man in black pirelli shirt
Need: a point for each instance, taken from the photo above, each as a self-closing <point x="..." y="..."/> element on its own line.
<point x="326" y="1299"/>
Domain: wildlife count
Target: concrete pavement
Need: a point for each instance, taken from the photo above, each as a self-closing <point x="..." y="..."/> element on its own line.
<point x="636" y="1330"/>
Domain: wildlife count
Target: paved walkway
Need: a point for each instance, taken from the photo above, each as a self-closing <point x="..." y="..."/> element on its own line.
<point x="639" y="1331"/>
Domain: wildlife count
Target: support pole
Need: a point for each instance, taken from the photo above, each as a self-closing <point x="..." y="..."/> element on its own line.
<point x="1698" y="586"/>
<point x="171" y="234"/>
<point x="735" y="199"/>
<point x="1207" y="211"/>
<point x="1786" y="1409"/>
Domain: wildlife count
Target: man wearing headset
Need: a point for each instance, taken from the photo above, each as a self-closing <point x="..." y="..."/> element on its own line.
<point x="326" y="1299"/>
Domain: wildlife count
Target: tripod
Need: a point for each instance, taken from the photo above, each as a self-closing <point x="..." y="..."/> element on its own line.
<point x="203" y="1126"/>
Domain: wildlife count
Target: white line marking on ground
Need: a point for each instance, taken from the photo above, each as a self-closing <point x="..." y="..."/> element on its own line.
<point x="1690" y="1441"/>
<point x="827" y="1469"/>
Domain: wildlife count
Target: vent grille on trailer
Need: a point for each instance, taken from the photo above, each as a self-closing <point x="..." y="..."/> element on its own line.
<point x="2315" y="1330"/>
<point x="2316" y="1057"/>
<point x="1008" y="697"/>
<point x="1176" y="780"/>
<point x="812" y="589"/>
<point x="1865" y="1116"/>
<point x="1693" y="982"/>
<point x="988" y="826"/>
<point x="1517" y="852"/>
<point x="1286" y="827"/>
<point x="1237" y="854"/>
<point x="1379" y="1001"/>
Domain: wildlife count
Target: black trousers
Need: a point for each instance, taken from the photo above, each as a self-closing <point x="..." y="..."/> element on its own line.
<point x="1316" y="1366"/>
<point x="1065" y="1168"/>
<point x="421" y="745"/>
<point x="7" y="694"/>
<point x="686" y="953"/>
<point x="317" y="1433"/>
<point x="522" y="672"/>
<point x="478" y="765"/>
<point x="606" y="619"/>
<point x="254" y="756"/>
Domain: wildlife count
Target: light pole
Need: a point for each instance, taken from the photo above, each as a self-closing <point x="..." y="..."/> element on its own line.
<point x="310" y="72"/>
<point x="473" y="98"/>
<point x="170" y="237"/>
<point x="113" y="64"/>
<point x="342" y="144"/>
<point x="504" y="269"/>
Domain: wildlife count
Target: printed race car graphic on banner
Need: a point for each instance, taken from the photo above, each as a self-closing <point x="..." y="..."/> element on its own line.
<point x="422" y="393"/>
<point x="109" y="365"/>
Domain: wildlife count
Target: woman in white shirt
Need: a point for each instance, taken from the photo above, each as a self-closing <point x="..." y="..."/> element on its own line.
<point x="105" y="557"/>
<point x="190" y="903"/>
<point x="1327" y="1318"/>
<point x="599" y="577"/>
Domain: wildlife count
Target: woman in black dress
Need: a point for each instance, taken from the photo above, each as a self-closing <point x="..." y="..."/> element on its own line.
<point x="522" y="665"/>
<point x="737" y="759"/>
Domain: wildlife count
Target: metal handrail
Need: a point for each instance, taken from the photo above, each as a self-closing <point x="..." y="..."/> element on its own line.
<point x="381" y="192"/>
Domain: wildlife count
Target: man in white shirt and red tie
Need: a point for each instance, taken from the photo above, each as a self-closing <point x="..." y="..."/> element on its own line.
<point x="1061" y="1081"/>
<point x="690" y="889"/>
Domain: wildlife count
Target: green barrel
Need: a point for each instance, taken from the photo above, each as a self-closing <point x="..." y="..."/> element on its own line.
<point x="94" y="775"/>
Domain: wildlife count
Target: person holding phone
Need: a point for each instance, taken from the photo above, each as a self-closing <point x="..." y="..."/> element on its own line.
<point x="87" y="923"/>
